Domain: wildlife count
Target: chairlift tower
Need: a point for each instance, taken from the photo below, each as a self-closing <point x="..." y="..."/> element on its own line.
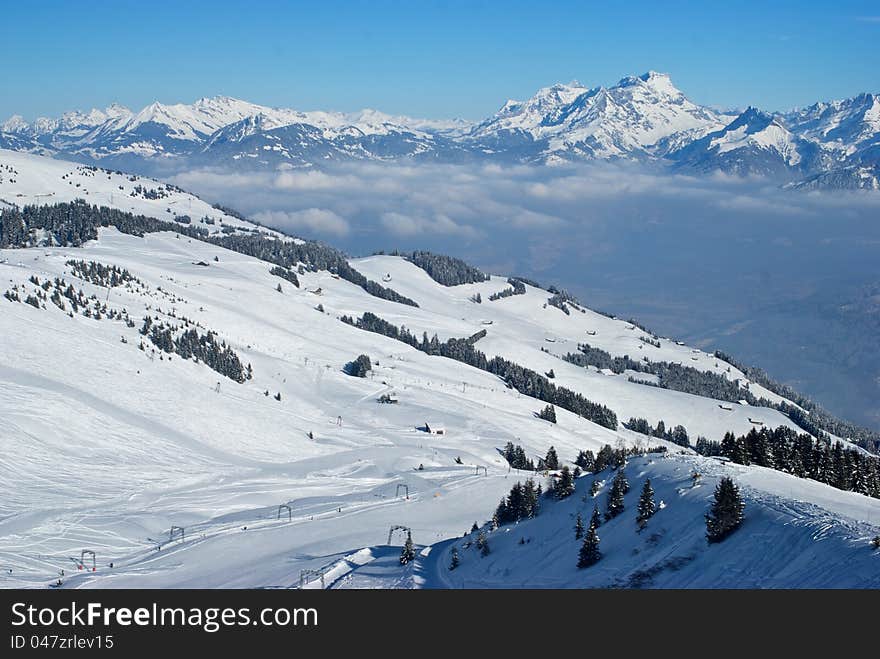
<point x="82" y="559"/>
<point x="397" y="527"/>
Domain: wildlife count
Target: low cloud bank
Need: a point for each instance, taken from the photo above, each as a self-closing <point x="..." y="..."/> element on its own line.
<point x="767" y="274"/>
<point x="372" y="206"/>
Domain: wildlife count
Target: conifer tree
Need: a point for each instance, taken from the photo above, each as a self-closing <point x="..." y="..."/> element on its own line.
<point x="660" y="432"/>
<point x="596" y="519"/>
<point x="548" y="414"/>
<point x="455" y="561"/>
<point x="552" y="460"/>
<point x="621" y="477"/>
<point x="603" y="458"/>
<point x="728" y="445"/>
<point x="647" y="507"/>
<point x="578" y="527"/>
<point x="615" y="496"/>
<point x="408" y="553"/>
<point x="531" y="498"/>
<point x="726" y="513"/>
<point x="589" y="553"/>
<point x="483" y="544"/>
<point x="585" y="460"/>
<point x="564" y="487"/>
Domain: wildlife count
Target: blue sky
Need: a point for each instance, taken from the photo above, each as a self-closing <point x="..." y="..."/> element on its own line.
<point x="423" y="58"/>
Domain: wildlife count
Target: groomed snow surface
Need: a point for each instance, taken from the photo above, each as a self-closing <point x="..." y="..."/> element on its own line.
<point x="105" y="447"/>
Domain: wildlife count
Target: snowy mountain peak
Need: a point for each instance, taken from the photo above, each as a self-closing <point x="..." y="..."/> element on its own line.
<point x="116" y="109"/>
<point x="510" y="106"/>
<point x="754" y="143"/>
<point x="659" y="82"/>
<point x="14" y="124"/>
<point x="753" y="120"/>
<point x="624" y="121"/>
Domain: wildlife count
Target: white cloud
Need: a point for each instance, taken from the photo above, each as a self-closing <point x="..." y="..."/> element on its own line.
<point x="312" y="220"/>
<point x="407" y="225"/>
<point x="491" y="209"/>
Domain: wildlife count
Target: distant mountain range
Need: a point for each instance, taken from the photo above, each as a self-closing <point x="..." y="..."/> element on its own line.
<point x="642" y="118"/>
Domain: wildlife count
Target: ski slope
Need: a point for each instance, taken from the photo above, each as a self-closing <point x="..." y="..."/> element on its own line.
<point x="105" y="447"/>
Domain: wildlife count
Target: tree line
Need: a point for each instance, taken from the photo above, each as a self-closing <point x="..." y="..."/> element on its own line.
<point x="677" y="435"/>
<point x="445" y="270"/>
<point x="522" y="379"/>
<point x="108" y="276"/>
<point x="806" y="414"/>
<point x="192" y="344"/>
<point x="74" y="223"/>
<point x="517" y="287"/>
<point x="803" y="456"/>
<point x="817" y="418"/>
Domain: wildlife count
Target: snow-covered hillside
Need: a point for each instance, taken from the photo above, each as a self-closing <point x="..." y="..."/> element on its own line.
<point x="643" y="118"/>
<point x="27" y="179"/>
<point x="796" y="534"/>
<point x="249" y="434"/>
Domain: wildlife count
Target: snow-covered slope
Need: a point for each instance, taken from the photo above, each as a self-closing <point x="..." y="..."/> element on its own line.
<point x="107" y="446"/>
<point x="796" y="534"/>
<point x="107" y="442"/>
<point x="27" y="179"/>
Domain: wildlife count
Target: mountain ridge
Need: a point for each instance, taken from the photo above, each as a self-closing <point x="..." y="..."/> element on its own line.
<point x="642" y="118"/>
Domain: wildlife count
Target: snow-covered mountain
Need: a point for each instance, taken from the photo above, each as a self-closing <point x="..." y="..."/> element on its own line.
<point x="642" y="118"/>
<point x="306" y="139"/>
<point x="157" y="372"/>
<point x="848" y="127"/>
<point x="624" y="121"/>
<point x="67" y="129"/>
<point x="754" y="143"/>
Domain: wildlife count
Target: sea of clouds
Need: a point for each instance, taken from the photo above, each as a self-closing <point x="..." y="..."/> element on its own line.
<point x="735" y="263"/>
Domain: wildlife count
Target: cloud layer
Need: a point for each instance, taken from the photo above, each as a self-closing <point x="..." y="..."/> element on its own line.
<point x="730" y="263"/>
<point x="483" y="209"/>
